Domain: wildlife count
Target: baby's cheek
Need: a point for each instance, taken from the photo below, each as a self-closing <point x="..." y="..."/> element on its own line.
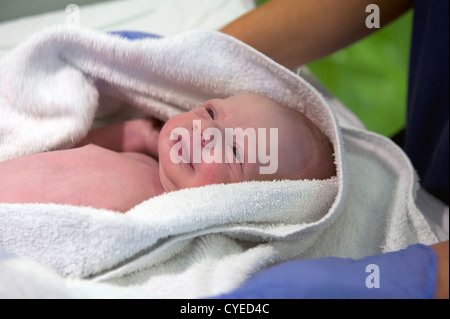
<point x="214" y="173"/>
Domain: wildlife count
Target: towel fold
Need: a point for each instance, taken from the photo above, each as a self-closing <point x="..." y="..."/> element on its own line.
<point x="194" y="242"/>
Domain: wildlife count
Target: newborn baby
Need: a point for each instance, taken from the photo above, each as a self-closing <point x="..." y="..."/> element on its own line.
<point x="119" y="166"/>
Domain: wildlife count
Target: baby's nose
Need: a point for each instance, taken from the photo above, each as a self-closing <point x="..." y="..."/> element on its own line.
<point x="201" y="126"/>
<point x="205" y="140"/>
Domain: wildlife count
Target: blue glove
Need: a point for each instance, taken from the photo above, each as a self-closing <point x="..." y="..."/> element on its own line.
<point x="408" y="273"/>
<point x="134" y="35"/>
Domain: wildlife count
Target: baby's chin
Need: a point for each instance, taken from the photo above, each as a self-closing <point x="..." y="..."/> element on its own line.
<point x="167" y="185"/>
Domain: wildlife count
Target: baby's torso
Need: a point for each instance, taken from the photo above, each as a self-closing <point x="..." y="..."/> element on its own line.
<point x="87" y="176"/>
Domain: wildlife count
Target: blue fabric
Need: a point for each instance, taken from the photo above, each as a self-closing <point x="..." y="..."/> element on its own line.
<point x="408" y="273"/>
<point x="5" y="255"/>
<point x="426" y="136"/>
<point x="134" y="35"/>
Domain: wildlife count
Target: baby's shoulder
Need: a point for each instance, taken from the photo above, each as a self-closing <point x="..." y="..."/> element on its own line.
<point x="143" y="159"/>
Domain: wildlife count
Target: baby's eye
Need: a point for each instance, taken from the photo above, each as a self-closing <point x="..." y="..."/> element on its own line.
<point x="236" y="153"/>
<point x="211" y="113"/>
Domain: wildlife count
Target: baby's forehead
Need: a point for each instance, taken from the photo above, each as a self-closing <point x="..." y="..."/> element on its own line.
<point x="258" y="111"/>
<point x="250" y="103"/>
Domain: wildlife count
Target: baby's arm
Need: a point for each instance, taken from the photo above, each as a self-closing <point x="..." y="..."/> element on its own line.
<point x="131" y="136"/>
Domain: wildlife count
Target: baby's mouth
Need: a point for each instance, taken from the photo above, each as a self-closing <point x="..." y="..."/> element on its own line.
<point x="185" y="154"/>
<point x="184" y="150"/>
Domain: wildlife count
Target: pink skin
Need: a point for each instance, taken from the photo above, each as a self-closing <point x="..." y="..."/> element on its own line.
<point x="115" y="167"/>
<point x="109" y="169"/>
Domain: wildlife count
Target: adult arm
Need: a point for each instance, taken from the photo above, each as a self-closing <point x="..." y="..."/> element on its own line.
<point x="296" y="32"/>
<point x="441" y="250"/>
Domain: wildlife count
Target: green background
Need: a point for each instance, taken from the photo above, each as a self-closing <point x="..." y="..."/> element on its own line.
<point x="370" y="77"/>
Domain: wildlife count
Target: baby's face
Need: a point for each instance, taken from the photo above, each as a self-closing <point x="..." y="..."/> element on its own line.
<point x="242" y="138"/>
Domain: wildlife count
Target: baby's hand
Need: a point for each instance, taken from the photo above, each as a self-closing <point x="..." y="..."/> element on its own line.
<point x="150" y="127"/>
<point x="139" y="136"/>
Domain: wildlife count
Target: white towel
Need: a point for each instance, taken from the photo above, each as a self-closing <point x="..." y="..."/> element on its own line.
<point x="195" y="242"/>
